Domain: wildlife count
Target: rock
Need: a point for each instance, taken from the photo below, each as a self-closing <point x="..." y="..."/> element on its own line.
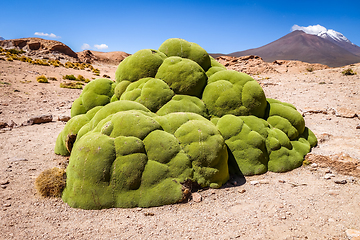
<point x="340" y="181"/>
<point x="346" y="113"/>
<point x="38" y="120"/>
<point x="196" y="197"/>
<point x="358" y="126"/>
<point x="63" y="118"/>
<point x="3" y="125"/>
<point x="314" y="165"/>
<point x="329" y="176"/>
<point x="254" y="182"/>
<point x="242" y="191"/>
<point x="149" y="214"/>
<point x="352" y="233"/>
<point x="264" y="181"/>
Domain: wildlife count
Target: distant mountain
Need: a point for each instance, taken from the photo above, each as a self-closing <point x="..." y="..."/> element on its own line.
<point x="329" y="48"/>
<point x="340" y="40"/>
<point x="39" y="45"/>
<point x="1" y="38"/>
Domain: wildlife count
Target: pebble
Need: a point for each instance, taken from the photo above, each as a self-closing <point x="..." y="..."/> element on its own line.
<point x="196" y="197"/>
<point x="264" y="181"/>
<point x="63" y="118"/>
<point x="328" y="171"/>
<point x="242" y="191"/>
<point x="254" y="182"/>
<point x="340" y="181"/>
<point x="329" y="176"/>
<point x="314" y="165"/>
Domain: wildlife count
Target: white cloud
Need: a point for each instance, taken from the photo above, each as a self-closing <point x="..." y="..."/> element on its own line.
<point x="51" y="35"/>
<point x="85" y="46"/>
<point x="101" y="46"/>
<point x="312" y="29"/>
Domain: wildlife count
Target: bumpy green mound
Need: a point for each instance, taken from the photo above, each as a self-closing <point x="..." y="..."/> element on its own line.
<point x="97" y="93"/>
<point x="128" y="160"/>
<point x="231" y="92"/>
<point x="142" y="64"/>
<point x="174" y="116"/>
<point x="184" y="49"/>
<point x="183" y="75"/>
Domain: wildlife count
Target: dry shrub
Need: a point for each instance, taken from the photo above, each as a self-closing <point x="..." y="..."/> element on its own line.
<point x="51" y="182"/>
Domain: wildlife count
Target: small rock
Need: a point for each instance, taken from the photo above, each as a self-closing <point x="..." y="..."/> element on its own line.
<point x="282" y="181"/>
<point x="340" y="181"/>
<point x="149" y="214"/>
<point x="3" y="125"/>
<point x="358" y="126"/>
<point x="314" y="165"/>
<point x="242" y="191"/>
<point x="264" y="181"/>
<point x="7" y="205"/>
<point x="254" y="182"/>
<point x="138" y="209"/>
<point x="38" y="119"/>
<point x="351" y="233"/>
<point x="329" y="176"/>
<point x="4" y="182"/>
<point x="63" y="118"/>
<point x="328" y="171"/>
<point x="196" y="197"/>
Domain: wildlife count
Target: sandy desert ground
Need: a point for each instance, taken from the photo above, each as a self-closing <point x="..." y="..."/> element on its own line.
<point x="307" y="203"/>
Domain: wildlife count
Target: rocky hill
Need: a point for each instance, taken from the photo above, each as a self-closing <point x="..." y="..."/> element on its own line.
<point x="256" y="65"/>
<point x="42" y="48"/>
<point x="114" y="58"/>
<point x="39" y="46"/>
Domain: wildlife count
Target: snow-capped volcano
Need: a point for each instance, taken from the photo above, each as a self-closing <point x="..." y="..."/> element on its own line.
<point x="331" y="35"/>
<point x="322" y="32"/>
<point x="334" y="35"/>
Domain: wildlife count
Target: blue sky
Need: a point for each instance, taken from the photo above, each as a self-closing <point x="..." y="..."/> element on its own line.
<point x="218" y="26"/>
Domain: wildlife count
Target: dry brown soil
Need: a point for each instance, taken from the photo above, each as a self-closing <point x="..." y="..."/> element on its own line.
<point x="300" y="204"/>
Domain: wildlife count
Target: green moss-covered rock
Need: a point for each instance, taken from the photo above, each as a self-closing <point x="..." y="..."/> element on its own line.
<point x="285" y="155"/>
<point x="141" y="64"/>
<point x="184" y="49"/>
<point x="135" y="142"/>
<point x="246" y="137"/>
<point x="67" y="136"/>
<point x="128" y="160"/>
<point x="215" y="67"/>
<point x="151" y="92"/>
<point x="184" y="103"/>
<point x="231" y="92"/>
<point x="183" y="76"/>
<point x="96" y="93"/>
<point x="285" y="117"/>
